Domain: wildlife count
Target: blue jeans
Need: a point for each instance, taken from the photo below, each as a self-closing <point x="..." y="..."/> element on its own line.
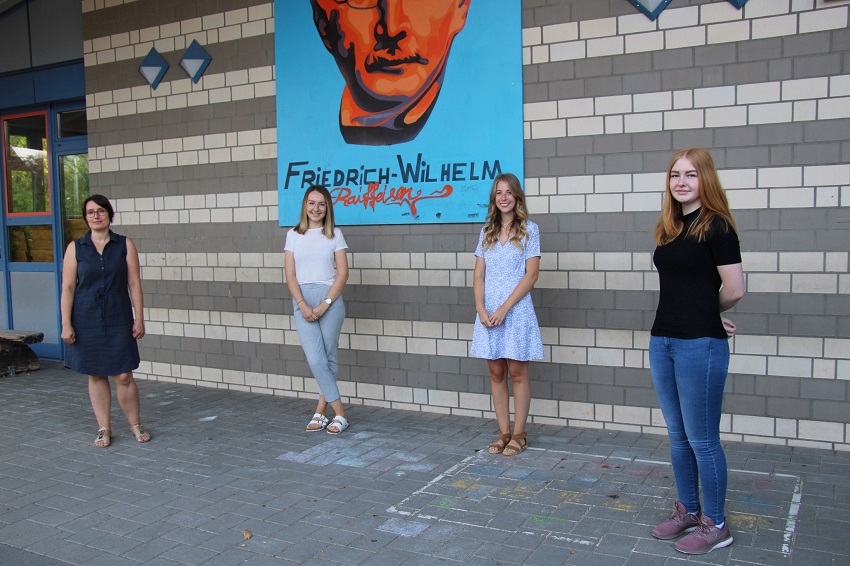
<point x="320" y="339"/>
<point x="689" y="377"/>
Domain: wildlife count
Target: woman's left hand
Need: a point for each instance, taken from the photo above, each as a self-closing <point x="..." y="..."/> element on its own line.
<point x="498" y="316"/>
<point x="728" y="326"/>
<point x="139" y="329"/>
<point x="69" y="336"/>
<point x="318" y="311"/>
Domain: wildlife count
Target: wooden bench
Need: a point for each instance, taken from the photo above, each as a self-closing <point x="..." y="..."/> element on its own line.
<point x="15" y="354"/>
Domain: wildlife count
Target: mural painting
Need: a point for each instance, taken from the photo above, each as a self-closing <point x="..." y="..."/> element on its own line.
<point x="404" y="109"/>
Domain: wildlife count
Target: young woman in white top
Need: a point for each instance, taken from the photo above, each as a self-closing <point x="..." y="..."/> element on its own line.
<point x="316" y="269"/>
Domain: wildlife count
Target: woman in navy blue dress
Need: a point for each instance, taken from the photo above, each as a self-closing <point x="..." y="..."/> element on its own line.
<point x="101" y="288"/>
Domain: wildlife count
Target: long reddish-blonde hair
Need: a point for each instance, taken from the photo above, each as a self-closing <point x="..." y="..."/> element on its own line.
<point x="711" y="194"/>
<point x="518" y="232"/>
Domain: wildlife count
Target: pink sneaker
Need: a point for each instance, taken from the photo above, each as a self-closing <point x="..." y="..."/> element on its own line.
<point x="679" y="522"/>
<point x="705" y="538"/>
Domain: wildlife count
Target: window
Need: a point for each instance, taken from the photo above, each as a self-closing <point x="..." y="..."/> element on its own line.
<point x="72" y="123"/>
<point x="25" y="163"/>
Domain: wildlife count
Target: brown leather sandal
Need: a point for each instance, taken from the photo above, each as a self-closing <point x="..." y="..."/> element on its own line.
<point x="499" y="446"/>
<point x="517" y="444"/>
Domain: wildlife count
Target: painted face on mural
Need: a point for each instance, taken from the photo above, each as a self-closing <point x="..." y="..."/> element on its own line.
<point x="392" y="55"/>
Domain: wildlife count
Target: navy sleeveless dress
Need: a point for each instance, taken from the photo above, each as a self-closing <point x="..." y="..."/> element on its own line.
<point x="102" y="315"/>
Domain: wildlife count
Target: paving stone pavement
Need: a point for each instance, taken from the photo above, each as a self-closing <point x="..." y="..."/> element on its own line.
<point x="397" y="487"/>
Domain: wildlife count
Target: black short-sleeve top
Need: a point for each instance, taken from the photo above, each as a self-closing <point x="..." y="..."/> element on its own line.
<point x="689" y="302"/>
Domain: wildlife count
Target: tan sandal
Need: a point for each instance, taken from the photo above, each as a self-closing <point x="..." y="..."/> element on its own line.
<point x="499" y="446"/>
<point x="517" y="444"/>
<point x="104" y="437"/>
<point x="141" y="434"/>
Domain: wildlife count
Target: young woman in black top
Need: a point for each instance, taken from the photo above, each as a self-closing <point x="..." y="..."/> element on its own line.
<point x="698" y="259"/>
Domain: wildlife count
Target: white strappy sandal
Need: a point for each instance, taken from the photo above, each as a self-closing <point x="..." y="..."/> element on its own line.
<point x="104" y="437"/>
<point x="318" y="419"/>
<point x="341" y="423"/>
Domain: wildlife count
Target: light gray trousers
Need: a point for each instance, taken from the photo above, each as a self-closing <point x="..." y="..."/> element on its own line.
<point x="320" y="339"/>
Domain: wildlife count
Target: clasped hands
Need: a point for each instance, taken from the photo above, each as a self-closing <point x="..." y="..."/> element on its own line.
<point x="312" y="314"/>
<point x="490" y="320"/>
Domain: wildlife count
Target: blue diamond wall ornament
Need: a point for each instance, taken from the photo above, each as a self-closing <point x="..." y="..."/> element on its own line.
<point x="738" y="3"/>
<point x="652" y="8"/>
<point x="153" y="67"/>
<point x="195" y="61"/>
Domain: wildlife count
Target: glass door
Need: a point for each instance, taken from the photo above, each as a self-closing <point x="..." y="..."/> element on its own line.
<point x="44" y="183"/>
<point x="73" y="191"/>
<point x="71" y="163"/>
<point x="31" y="263"/>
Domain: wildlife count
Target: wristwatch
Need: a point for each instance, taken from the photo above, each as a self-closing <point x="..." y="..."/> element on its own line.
<point x="328" y="301"/>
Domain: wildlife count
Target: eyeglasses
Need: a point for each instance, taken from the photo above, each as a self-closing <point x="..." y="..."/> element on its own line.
<point x="96" y="212"/>
<point x="316" y="205"/>
<point x="359" y="4"/>
<point x="366" y="4"/>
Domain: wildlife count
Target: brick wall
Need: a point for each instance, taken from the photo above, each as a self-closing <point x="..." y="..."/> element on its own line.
<point x="609" y="95"/>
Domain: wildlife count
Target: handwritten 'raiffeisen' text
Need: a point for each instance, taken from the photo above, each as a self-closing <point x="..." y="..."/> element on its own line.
<point x="390" y="196"/>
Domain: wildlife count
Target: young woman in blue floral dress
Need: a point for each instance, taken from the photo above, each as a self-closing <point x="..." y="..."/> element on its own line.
<point x="506" y="333"/>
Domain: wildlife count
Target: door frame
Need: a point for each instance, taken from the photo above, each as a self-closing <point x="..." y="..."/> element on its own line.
<point x="57" y="148"/>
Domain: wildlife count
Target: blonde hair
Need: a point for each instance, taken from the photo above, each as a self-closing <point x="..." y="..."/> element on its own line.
<point x="711" y="194"/>
<point x="518" y="232"/>
<point x="328" y="224"/>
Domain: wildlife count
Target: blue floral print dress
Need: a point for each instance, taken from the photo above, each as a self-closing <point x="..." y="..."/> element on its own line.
<point x="518" y="337"/>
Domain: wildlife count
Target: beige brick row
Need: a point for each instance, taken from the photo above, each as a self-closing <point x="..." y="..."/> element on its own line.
<point x="213" y="28"/>
<point x="245" y="145"/>
<point x="765" y="272"/>
<point x="781" y="431"/>
<point x="93" y="5"/>
<point x="765" y="98"/>
<point x="803" y="357"/>
<point x="256" y="82"/>
<point x="691" y="26"/>
<point x="718" y="107"/>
